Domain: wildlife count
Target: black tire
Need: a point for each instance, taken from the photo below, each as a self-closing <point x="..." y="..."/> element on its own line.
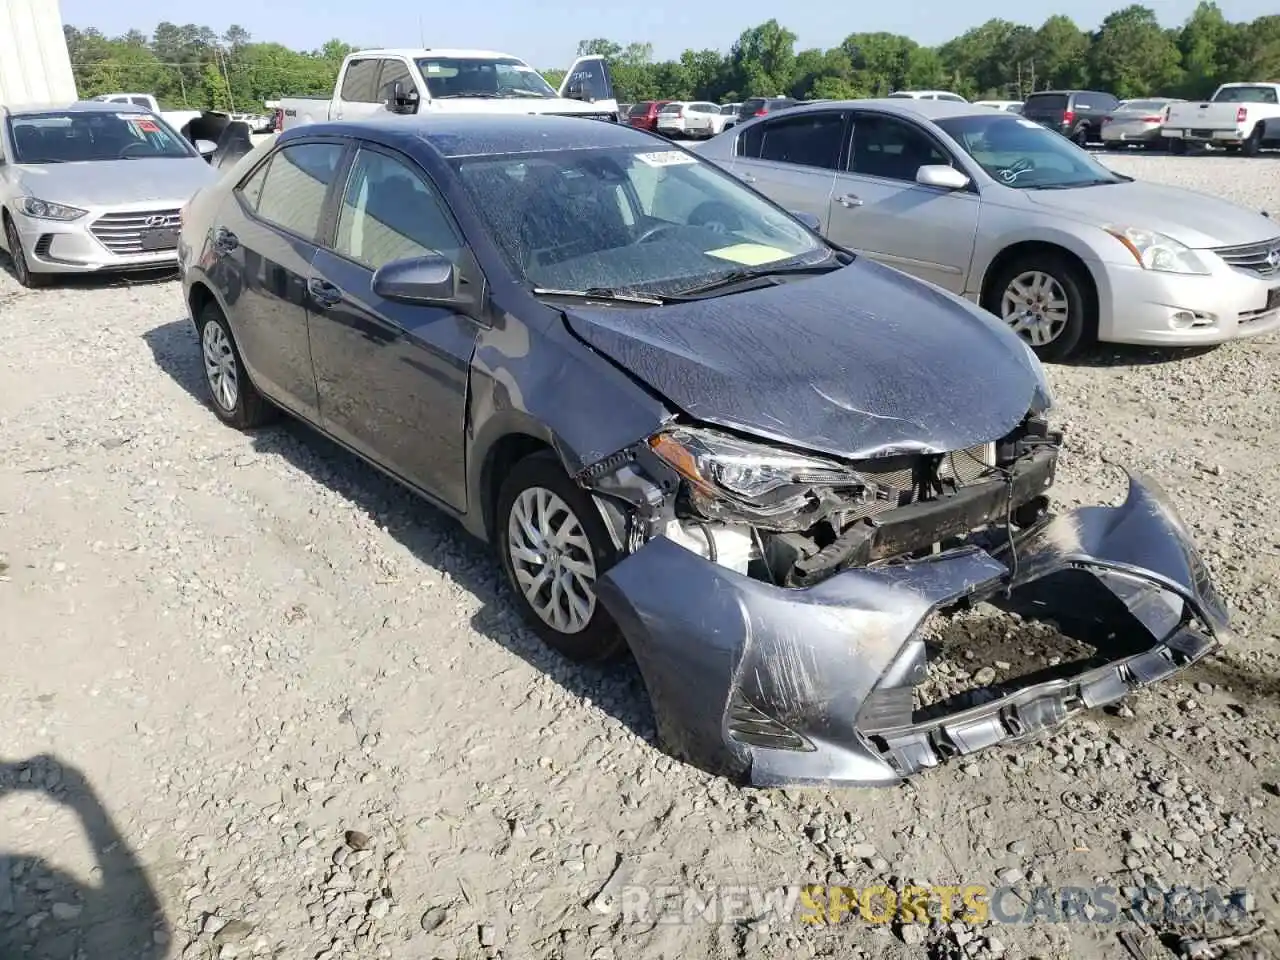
<point x="600" y="638"/>
<point x="1081" y="136"/>
<point x="1253" y="145"/>
<point x="1178" y="147"/>
<point x="250" y="408"/>
<point x="22" y="271"/>
<point x="1078" y="328"/>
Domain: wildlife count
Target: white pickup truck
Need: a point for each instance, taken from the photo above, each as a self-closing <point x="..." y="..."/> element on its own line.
<point x="177" y="119"/>
<point x="466" y="81"/>
<point x="1239" y="116"/>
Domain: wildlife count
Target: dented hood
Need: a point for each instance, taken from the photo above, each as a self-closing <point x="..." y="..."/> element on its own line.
<point x="858" y="362"/>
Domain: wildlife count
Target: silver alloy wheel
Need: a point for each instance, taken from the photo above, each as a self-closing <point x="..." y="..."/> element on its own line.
<point x="1035" y="307"/>
<point x="220" y="366"/>
<point x="552" y="559"/>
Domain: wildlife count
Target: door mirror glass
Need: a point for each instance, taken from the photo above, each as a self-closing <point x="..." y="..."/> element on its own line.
<point x="940" y="175"/>
<point x="401" y="98"/>
<point x="207" y="148"/>
<point x="426" y="280"/>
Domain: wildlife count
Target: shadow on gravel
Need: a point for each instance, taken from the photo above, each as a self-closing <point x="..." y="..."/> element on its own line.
<point x="436" y="540"/>
<point x="1124" y="355"/>
<point x="48" y="914"/>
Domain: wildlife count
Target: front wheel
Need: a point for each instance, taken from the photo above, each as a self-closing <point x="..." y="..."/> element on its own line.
<point x="1041" y="296"/>
<point x="554" y="545"/>
<point x="1178" y="147"/>
<point x="22" y="271"/>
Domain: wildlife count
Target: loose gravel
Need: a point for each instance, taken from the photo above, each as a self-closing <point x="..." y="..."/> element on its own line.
<point x="299" y="707"/>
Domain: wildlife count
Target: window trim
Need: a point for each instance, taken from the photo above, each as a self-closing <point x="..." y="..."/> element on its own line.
<point x="467" y="264"/>
<point x="957" y="162"/>
<point x="842" y="153"/>
<point x="340" y="172"/>
<point x="382" y="69"/>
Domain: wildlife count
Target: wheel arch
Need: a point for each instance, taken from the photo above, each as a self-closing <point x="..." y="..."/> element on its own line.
<point x="1044" y="248"/>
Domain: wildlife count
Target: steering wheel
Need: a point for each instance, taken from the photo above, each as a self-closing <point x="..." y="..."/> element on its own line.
<point x="124" y="153"/>
<point x="716" y="217"/>
<point x="656" y="229"/>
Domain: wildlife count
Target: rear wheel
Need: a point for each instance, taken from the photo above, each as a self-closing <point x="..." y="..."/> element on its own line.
<point x="22" y="271"/>
<point x="236" y="400"/>
<point x="1081" y="136"/>
<point x="1178" y="147"/>
<point x="554" y="545"/>
<point x="1041" y="296"/>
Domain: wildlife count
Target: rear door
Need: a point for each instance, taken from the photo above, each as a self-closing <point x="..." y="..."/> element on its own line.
<point x="879" y="208"/>
<point x="591" y="81"/>
<point x="792" y="159"/>
<point x="392" y="377"/>
<point x="267" y="237"/>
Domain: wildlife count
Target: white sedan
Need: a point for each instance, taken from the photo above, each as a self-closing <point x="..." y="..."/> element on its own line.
<point x="995" y="208"/>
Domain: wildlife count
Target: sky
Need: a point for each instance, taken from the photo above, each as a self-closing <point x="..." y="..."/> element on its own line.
<point x="546" y="32"/>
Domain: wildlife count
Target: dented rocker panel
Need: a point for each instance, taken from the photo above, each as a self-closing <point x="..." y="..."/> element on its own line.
<point x="813" y="678"/>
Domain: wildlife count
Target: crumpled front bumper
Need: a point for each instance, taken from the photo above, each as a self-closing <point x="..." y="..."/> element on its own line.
<point x="815" y="685"/>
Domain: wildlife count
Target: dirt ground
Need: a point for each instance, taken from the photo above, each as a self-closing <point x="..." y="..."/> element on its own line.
<point x="257" y="701"/>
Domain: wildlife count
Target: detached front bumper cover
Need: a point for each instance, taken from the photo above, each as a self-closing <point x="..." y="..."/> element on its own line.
<point x="815" y="685"/>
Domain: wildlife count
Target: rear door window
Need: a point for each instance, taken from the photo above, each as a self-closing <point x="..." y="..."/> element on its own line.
<point x="360" y="83"/>
<point x="1045" y="103"/>
<point x="891" y="148"/>
<point x="296" y="183"/>
<point x="639" y="109"/>
<point x="809" y="140"/>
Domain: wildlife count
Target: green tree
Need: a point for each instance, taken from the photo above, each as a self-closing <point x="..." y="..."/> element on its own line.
<point x="1133" y="56"/>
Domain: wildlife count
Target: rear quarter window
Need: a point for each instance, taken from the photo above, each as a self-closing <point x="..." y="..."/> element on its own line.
<point x="1051" y="101"/>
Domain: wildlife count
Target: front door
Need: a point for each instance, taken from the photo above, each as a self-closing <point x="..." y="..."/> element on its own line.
<point x="792" y="159"/>
<point x="878" y="208"/>
<point x="392" y="377"/>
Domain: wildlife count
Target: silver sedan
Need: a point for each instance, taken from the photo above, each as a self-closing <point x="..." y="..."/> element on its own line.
<point x="93" y="187"/>
<point x="1136" y="121"/>
<point x="997" y="209"/>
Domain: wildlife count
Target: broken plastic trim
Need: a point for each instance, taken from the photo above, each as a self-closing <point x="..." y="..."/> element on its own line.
<point x="812" y="659"/>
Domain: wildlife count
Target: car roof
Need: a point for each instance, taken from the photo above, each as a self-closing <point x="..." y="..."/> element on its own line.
<point x="412" y="52"/>
<point x="478" y="134"/>
<point x="79" y="106"/>
<point x="904" y="106"/>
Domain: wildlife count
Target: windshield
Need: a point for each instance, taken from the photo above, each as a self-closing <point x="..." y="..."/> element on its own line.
<point x="76" y="137"/>
<point x="1245" y="95"/>
<point x="1021" y="153"/>
<point x="1142" y="106"/>
<point x="504" y="77"/>
<point x="658" y="222"/>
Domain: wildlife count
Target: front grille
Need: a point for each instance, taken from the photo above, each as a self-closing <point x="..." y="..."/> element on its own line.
<point x="895" y="480"/>
<point x="121" y="233"/>
<point x="1260" y="258"/>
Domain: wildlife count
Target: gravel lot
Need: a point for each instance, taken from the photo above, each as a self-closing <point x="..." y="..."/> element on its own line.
<point x="314" y="726"/>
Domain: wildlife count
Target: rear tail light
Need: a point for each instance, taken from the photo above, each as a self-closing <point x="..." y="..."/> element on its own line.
<point x="279" y="119"/>
<point x="1068" y="116"/>
<point x="1155" y="119"/>
<point x="761" y="112"/>
<point x="1242" y="115"/>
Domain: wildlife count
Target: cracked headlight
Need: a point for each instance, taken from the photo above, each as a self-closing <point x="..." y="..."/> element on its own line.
<point x="1155" y="251"/>
<point x="742" y="481"/>
<point x="47" y="210"/>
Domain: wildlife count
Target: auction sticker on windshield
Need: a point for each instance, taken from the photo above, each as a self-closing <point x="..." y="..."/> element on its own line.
<point x="749" y="254"/>
<point x="665" y="158"/>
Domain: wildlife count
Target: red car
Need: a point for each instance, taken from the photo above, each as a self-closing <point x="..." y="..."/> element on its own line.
<point x="645" y="114"/>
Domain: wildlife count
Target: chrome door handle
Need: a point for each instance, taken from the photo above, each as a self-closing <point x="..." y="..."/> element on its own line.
<point x="324" y="292"/>
<point x="849" y="200"/>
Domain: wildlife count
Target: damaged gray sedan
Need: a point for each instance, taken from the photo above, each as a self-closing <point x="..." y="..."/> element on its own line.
<point x="691" y="427"/>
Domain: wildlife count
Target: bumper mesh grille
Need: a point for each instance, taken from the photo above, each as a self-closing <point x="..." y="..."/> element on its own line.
<point x="121" y="233"/>
<point x="897" y="478"/>
<point x="1260" y="258"/>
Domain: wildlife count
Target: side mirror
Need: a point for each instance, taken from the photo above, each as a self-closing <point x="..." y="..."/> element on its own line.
<point x="940" y="175"/>
<point x="429" y="279"/>
<point x="207" y="148"/>
<point x="402" y="99"/>
<point x="810" y="220"/>
<point x="576" y="91"/>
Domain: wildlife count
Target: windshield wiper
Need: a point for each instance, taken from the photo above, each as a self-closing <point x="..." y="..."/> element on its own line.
<point x="604" y="293"/>
<point x="475" y="95"/>
<point x="763" y="275"/>
<point x="1079" y="183"/>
